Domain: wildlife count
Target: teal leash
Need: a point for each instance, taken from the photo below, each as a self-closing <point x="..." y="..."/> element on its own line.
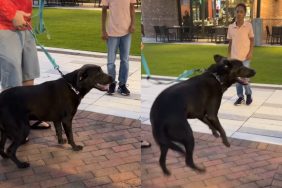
<point x="185" y="74"/>
<point x="40" y="28"/>
<point x="52" y="60"/>
<point x="145" y="65"/>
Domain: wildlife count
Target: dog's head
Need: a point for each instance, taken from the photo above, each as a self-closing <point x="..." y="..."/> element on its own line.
<point x="92" y="76"/>
<point x="230" y="70"/>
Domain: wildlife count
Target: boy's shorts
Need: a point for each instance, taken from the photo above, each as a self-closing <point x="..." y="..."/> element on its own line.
<point x="18" y="58"/>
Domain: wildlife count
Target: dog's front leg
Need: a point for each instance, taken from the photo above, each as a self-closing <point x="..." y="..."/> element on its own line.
<point x="68" y="130"/>
<point x="216" y="124"/>
<point x="59" y="130"/>
<point x="206" y="121"/>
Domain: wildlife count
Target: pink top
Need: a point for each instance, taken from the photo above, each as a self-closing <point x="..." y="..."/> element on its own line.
<point x="240" y="37"/>
<point x="119" y="19"/>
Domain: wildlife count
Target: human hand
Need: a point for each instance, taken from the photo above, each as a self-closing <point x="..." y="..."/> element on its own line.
<point x="19" y="21"/>
<point x="105" y="35"/>
<point x="249" y="56"/>
<point x="131" y="29"/>
<point x="142" y="45"/>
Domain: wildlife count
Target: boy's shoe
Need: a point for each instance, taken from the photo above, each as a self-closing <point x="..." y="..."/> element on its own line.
<point x="112" y="88"/>
<point x="249" y="100"/>
<point x="122" y="89"/>
<point x="239" y="101"/>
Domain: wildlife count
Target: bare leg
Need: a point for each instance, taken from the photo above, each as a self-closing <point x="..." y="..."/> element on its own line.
<point x="28" y="83"/>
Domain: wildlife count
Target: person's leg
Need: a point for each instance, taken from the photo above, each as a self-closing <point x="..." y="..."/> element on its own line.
<point x="248" y="90"/>
<point x="112" y="44"/>
<point x="239" y="89"/>
<point x="28" y="83"/>
<point x="30" y="70"/>
<point x="11" y="45"/>
<point x="124" y="48"/>
<point x="247" y="87"/>
<point x="30" y="62"/>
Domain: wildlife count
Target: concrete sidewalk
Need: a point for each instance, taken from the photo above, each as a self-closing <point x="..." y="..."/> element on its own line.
<point x="261" y="121"/>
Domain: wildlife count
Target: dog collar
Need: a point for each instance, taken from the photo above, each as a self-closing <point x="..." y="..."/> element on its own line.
<point x="216" y="76"/>
<point x="72" y="88"/>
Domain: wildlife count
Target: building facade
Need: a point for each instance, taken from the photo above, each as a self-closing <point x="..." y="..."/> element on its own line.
<point x="207" y="12"/>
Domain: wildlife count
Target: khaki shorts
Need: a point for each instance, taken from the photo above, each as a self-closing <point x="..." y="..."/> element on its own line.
<point x="18" y="58"/>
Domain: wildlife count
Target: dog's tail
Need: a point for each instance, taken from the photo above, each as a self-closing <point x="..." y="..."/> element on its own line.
<point x="162" y="138"/>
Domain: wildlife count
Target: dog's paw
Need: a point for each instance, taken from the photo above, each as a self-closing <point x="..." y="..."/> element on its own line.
<point x="63" y="141"/>
<point x="226" y="143"/>
<point x="215" y="134"/>
<point x="200" y="169"/>
<point x="77" y="148"/>
<point x="23" y="165"/>
<point x="166" y="172"/>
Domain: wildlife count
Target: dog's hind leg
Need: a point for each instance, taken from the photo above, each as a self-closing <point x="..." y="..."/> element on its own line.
<point x="164" y="149"/>
<point x="175" y="147"/>
<point x="59" y="132"/>
<point x="67" y="124"/>
<point x="11" y="152"/>
<point x="189" y="144"/>
<point x="18" y="137"/>
<point x="2" y="145"/>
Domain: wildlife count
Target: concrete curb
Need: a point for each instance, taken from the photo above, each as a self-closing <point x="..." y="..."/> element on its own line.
<point x="254" y="85"/>
<point x="83" y="53"/>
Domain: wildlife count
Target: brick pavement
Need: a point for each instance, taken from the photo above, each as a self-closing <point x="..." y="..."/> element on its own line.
<point x="245" y="164"/>
<point x="110" y="157"/>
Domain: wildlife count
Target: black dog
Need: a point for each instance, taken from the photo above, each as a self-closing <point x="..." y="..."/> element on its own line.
<point x="199" y="97"/>
<point x="55" y="101"/>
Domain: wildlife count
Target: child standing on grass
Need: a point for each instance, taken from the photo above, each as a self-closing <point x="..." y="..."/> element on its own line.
<point x="241" y="41"/>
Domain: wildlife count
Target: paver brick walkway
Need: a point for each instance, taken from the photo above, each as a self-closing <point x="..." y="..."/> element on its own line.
<point x="110" y="157"/>
<point x="245" y="164"/>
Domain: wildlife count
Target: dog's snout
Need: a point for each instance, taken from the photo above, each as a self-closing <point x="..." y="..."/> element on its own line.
<point x="253" y="72"/>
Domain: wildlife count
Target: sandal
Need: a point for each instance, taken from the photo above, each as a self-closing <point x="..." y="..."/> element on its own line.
<point x="40" y="125"/>
<point x="145" y="144"/>
<point x="25" y="141"/>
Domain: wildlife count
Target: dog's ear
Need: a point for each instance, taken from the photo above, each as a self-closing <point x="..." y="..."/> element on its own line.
<point x="218" y="58"/>
<point x="82" y="74"/>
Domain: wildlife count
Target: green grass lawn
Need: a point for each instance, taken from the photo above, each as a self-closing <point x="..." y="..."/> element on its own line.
<point x="173" y="59"/>
<point x="79" y="30"/>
